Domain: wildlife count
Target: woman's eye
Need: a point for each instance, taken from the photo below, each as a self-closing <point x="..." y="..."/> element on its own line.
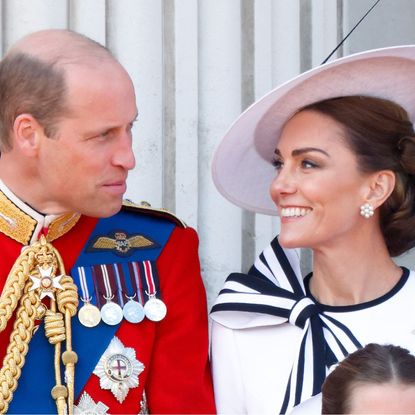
<point x="277" y="163"/>
<point x="308" y="164"/>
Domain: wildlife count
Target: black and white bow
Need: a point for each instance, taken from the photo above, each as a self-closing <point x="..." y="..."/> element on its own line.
<point x="273" y="293"/>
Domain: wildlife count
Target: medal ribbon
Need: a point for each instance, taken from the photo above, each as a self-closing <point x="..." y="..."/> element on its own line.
<point x="150" y="278"/>
<point x="83" y="283"/>
<point x="86" y="283"/>
<point x="129" y="282"/>
<point x="119" y="279"/>
<point x="105" y="279"/>
<point x="135" y="270"/>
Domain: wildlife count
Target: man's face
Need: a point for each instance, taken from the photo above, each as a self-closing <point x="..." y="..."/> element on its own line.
<point x="84" y="168"/>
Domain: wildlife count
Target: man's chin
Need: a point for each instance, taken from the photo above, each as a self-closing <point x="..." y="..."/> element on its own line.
<point x="103" y="211"/>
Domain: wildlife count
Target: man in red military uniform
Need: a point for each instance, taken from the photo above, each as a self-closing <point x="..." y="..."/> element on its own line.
<point x="103" y="308"/>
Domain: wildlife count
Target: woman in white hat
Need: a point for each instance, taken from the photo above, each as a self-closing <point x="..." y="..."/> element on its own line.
<point x="334" y="151"/>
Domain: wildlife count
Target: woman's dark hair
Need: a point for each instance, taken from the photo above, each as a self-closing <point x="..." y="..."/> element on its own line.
<point x="374" y="364"/>
<point x="381" y="135"/>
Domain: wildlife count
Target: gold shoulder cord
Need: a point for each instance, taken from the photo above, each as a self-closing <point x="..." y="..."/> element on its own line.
<point x="39" y="272"/>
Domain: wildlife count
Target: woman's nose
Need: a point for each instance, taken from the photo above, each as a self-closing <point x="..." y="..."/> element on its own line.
<point x="283" y="183"/>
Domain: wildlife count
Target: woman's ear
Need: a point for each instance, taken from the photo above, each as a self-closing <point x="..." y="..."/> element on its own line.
<point x="381" y="186"/>
<point x="27" y="134"/>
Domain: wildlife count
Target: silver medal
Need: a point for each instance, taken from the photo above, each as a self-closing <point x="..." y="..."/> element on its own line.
<point x="87" y="406"/>
<point x="133" y="311"/>
<point x="89" y="315"/>
<point x="111" y="313"/>
<point x="155" y="309"/>
<point x="118" y="369"/>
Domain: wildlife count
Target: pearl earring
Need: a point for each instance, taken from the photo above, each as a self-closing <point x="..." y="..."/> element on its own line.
<point x="367" y="210"/>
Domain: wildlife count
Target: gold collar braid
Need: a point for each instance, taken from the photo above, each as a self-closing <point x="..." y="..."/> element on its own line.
<point x="20" y="226"/>
<point x="39" y="272"/>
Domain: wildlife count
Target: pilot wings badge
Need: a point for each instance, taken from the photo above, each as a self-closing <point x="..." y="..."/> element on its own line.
<point x="120" y="243"/>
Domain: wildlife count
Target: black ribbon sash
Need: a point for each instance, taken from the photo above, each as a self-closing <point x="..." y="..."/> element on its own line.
<point x="273" y="288"/>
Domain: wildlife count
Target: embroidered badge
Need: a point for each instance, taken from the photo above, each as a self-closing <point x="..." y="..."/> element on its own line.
<point x="120" y="243"/>
<point x="118" y="369"/>
<point x="87" y="406"/>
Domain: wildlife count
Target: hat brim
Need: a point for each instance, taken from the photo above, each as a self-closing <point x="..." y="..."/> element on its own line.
<point x="242" y="167"/>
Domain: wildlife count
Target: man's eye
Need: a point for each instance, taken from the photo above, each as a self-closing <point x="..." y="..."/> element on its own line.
<point x="105" y="133"/>
<point x="130" y="126"/>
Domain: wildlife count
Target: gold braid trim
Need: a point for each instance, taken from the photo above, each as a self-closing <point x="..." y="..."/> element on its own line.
<point x="18" y="347"/>
<point x="43" y="263"/>
<point x="14" y="285"/>
<point x="67" y="300"/>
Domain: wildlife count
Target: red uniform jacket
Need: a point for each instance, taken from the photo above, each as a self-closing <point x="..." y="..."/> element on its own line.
<point x="176" y="378"/>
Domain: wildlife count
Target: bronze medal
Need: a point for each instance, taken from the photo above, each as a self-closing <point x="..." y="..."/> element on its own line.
<point x="89" y="315"/>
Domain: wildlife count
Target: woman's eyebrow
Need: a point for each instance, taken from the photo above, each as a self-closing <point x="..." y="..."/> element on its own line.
<point x="300" y="151"/>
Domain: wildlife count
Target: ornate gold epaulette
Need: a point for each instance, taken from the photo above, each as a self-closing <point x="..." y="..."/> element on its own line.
<point x="146" y="208"/>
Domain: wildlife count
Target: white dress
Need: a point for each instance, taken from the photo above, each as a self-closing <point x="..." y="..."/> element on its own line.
<point x="253" y="353"/>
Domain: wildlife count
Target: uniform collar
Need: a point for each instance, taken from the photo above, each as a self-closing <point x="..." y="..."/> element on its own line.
<point x="25" y="225"/>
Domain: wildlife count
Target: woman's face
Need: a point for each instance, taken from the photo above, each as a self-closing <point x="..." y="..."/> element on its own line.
<point x="384" y="398"/>
<point x="318" y="188"/>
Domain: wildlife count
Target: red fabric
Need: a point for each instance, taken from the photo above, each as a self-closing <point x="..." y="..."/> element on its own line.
<point x="69" y="246"/>
<point x="174" y="351"/>
<point x="179" y="379"/>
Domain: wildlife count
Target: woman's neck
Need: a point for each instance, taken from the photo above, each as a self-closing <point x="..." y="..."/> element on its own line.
<point x="354" y="276"/>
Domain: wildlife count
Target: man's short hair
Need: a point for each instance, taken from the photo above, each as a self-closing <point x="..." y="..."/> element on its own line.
<point x="37" y="85"/>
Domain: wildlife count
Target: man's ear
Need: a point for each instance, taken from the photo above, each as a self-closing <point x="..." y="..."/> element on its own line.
<point x="27" y="134"/>
<point x="382" y="184"/>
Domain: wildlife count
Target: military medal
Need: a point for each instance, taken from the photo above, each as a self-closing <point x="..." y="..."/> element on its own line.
<point x="133" y="311"/>
<point x="118" y="369"/>
<point x="89" y="314"/>
<point x="111" y="313"/>
<point x="154" y="308"/>
<point x="46" y="282"/>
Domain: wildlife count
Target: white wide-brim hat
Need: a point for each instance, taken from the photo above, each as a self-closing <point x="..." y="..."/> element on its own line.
<point x="242" y="165"/>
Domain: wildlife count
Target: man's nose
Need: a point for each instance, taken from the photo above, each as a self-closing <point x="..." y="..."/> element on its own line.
<point x="124" y="156"/>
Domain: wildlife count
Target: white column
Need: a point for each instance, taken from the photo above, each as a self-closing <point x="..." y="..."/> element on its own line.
<point x="22" y="17"/>
<point x="187" y="111"/>
<point x="134" y="34"/>
<point x="88" y="17"/>
<point x="324" y="30"/>
<point x="219" y="104"/>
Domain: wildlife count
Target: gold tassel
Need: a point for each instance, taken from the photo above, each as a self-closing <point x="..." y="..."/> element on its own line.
<point x="38" y="272"/>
